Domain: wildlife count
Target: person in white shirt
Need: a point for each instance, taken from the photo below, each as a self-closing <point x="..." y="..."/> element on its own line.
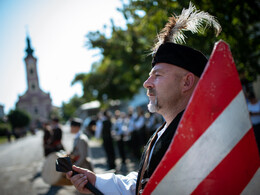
<point x="176" y="69"/>
<point x="254" y="110"/>
<point x="99" y="126"/>
<point x="120" y="131"/>
<point x="80" y="154"/>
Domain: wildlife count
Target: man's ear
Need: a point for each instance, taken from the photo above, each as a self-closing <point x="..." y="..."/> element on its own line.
<point x="188" y="82"/>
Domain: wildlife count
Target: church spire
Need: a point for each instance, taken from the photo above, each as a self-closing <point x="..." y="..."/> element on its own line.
<point x="29" y="50"/>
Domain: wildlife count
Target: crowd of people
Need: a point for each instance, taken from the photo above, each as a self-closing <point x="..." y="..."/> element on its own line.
<point x="124" y="131"/>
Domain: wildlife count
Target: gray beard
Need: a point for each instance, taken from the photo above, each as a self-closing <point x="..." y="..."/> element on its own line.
<point x="153" y="106"/>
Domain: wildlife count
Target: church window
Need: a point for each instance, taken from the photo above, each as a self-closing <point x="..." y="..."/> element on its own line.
<point x="31" y="71"/>
<point x="33" y="86"/>
<point x="36" y="110"/>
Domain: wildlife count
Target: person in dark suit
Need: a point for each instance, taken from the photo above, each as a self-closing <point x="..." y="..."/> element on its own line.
<point x="56" y="136"/>
<point x="176" y="70"/>
<point x="108" y="140"/>
<point x="46" y="139"/>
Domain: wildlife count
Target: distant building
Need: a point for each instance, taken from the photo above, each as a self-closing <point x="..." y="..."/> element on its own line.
<point x="35" y="102"/>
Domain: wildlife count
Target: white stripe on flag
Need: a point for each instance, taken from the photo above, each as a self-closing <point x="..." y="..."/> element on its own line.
<point x="254" y="185"/>
<point x="209" y="150"/>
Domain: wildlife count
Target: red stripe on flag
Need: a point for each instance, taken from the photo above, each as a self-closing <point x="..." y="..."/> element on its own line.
<point x="233" y="174"/>
<point x="217" y="87"/>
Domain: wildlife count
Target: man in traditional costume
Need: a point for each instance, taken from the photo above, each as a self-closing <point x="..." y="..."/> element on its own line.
<point x="176" y="69"/>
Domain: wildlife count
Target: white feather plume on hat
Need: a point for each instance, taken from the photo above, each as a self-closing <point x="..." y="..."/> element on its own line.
<point x="190" y="19"/>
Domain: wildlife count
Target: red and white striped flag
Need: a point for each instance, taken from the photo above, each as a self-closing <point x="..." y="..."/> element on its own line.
<point x="214" y="150"/>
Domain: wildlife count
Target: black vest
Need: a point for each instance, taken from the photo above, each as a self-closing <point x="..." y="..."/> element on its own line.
<point x="159" y="149"/>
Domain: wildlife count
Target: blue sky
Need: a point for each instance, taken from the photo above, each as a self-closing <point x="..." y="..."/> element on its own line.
<point x="57" y="29"/>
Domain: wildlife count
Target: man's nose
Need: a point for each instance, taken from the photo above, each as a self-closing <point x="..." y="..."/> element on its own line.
<point x="148" y="83"/>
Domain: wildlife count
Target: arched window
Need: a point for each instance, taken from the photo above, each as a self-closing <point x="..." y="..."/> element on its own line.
<point x="36" y="110"/>
<point x="31" y="71"/>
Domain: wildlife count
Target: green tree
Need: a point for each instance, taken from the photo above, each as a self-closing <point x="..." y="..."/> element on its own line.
<point x="240" y="29"/>
<point x="4" y="128"/>
<point x="126" y="63"/>
<point x="18" y="118"/>
<point x="68" y="109"/>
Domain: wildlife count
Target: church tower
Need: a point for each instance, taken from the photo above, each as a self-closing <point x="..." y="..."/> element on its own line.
<point x="35" y="102"/>
<point x="31" y="70"/>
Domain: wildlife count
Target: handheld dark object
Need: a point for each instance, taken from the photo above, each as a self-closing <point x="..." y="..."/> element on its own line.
<point x="63" y="164"/>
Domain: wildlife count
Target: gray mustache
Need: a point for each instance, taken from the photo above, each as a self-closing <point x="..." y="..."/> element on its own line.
<point x="151" y="91"/>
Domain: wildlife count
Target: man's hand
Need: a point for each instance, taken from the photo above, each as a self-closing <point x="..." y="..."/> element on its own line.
<point x="81" y="179"/>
